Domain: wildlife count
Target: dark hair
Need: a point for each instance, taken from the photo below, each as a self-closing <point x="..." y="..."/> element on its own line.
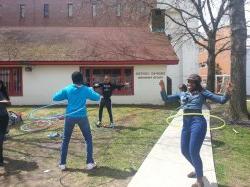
<point x="197" y="80"/>
<point x="183" y="87"/>
<point x="4" y="91"/>
<point x="77" y="77"/>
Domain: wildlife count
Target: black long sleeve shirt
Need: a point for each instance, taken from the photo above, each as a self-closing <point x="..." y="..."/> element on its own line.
<point x="107" y="89"/>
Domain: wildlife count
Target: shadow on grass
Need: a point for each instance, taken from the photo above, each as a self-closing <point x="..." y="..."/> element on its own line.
<point x="120" y="128"/>
<point x="14" y="167"/>
<point x="217" y="143"/>
<point x="104" y="171"/>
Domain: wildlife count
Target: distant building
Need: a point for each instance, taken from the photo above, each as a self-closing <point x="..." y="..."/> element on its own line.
<point x="43" y="42"/>
<point x="223" y="61"/>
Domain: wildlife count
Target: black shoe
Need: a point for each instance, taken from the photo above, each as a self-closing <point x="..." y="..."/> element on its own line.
<point x="1" y="164"/>
<point x="99" y="124"/>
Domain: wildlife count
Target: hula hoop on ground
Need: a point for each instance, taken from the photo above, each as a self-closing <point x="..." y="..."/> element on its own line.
<point x="222" y="125"/>
<point x="36" y="126"/>
<point x="34" y="123"/>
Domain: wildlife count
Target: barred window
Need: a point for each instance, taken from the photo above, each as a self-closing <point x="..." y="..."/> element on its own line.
<point x="12" y="78"/>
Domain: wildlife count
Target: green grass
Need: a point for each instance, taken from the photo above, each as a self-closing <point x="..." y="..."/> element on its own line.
<point x="119" y="152"/>
<point x="232" y="154"/>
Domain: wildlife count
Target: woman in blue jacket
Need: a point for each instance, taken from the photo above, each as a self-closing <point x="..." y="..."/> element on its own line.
<point x="76" y="113"/>
<point x="194" y="126"/>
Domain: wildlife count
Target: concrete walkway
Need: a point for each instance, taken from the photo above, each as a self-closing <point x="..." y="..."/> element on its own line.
<point x="166" y="167"/>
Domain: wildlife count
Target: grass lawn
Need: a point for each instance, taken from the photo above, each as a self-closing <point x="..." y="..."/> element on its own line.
<point x="232" y="154"/>
<point x="119" y="152"/>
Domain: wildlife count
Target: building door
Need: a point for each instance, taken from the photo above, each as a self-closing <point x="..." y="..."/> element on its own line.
<point x="169" y="86"/>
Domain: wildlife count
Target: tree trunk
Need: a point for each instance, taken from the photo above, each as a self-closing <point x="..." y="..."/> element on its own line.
<point x="211" y="64"/>
<point x="238" y="106"/>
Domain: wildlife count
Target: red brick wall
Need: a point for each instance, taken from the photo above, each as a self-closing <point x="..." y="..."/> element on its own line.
<point x="223" y="59"/>
<point x="132" y="13"/>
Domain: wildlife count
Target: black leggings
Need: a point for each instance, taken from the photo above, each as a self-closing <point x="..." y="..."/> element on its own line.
<point x="108" y="104"/>
<point x="4" y="120"/>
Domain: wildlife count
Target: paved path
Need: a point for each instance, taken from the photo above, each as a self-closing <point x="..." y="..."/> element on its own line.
<point x="166" y="167"/>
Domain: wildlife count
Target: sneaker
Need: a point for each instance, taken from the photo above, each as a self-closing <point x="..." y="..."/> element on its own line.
<point x="91" y="166"/>
<point x="198" y="184"/>
<point x="191" y="175"/>
<point x="62" y="167"/>
<point x="112" y="125"/>
<point x="99" y="124"/>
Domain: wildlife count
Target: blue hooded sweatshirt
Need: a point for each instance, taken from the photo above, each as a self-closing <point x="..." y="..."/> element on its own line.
<point x="76" y="96"/>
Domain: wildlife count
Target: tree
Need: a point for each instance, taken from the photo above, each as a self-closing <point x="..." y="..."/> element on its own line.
<point x="210" y="17"/>
<point x="238" y="106"/>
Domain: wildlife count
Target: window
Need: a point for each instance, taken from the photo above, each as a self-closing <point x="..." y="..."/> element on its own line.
<point x="1" y="7"/>
<point x="203" y="65"/>
<point x="158" y="12"/>
<point x="118" y="13"/>
<point x="46" y="10"/>
<point x="94" y="10"/>
<point x="118" y="76"/>
<point x="12" y="77"/>
<point x="70" y="10"/>
<point x="22" y="10"/>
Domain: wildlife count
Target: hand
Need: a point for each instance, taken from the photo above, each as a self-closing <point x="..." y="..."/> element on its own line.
<point x="5" y="102"/>
<point x="126" y="84"/>
<point x="162" y="85"/>
<point x="229" y="88"/>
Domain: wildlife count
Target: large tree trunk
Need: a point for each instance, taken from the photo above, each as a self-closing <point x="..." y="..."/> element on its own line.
<point x="238" y="106"/>
<point x="211" y="64"/>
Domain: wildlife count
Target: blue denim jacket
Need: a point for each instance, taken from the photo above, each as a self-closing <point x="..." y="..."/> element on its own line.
<point x="194" y="100"/>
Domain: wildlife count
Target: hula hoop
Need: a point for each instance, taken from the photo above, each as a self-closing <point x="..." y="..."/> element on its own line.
<point x="31" y="115"/>
<point x="222" y="125"/>
<point x="32" y="120"/>
<point x="25" y="127"/>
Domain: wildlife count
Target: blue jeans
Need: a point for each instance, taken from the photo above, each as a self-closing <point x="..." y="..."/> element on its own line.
<point x="192" y="137"/>
<point x="86" y="132"/>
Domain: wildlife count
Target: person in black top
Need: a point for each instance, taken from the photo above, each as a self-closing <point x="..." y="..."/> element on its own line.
<point x="107" y="89"/>
<point x="4" y="117"/>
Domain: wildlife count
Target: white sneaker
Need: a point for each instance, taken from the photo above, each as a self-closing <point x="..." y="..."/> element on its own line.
<point x="112" y="125"/>
<point x="99" y="124"/>
<point x="62" y="167"/>
<point x="91" y="166"/>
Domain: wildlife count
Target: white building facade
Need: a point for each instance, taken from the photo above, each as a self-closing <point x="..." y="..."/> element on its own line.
<point x="186" y="50"/>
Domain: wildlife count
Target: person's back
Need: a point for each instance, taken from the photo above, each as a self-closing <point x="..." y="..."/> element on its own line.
<point x="76" y="113"/>
<point x="77" y="97"/>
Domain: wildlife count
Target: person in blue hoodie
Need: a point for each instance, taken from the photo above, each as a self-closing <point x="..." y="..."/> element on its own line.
<point x="76" y="113"/>
<point x="194" y="126"/>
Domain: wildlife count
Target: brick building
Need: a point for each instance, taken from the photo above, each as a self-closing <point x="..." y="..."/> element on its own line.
<point x="100" y="13"/>
<point x="43" y="42"/>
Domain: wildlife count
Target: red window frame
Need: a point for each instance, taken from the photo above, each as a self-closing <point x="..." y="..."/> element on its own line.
<point x="116" y="92"/>
<point x="8" y="75"/>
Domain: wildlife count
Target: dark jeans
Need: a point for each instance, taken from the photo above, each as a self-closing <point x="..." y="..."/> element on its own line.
<point x="192" y="137"/>
<point x="86" y="132"/>
<point x="4" y="120"/>
<point x="108" y="104"/>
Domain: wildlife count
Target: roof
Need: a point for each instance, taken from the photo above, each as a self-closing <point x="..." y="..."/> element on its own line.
<point x="84" y="44"/>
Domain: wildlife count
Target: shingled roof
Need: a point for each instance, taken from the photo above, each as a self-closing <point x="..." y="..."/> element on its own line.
<point x="84" y="44"/>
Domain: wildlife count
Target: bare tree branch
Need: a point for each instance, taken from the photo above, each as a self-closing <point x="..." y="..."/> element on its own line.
<point x="226" y="46"/>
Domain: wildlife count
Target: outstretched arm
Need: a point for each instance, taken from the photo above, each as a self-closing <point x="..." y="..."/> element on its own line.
<point x="92" y="95"/>
<point x="97" y="85"/>
<point x="222" y="99"/>
<point x="60" y="95"/>
<point x="116" y="86"/>
<point x="167" y="98"/>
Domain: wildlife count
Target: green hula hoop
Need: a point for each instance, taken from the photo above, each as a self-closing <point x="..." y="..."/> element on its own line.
<point x="222" y="125"/>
